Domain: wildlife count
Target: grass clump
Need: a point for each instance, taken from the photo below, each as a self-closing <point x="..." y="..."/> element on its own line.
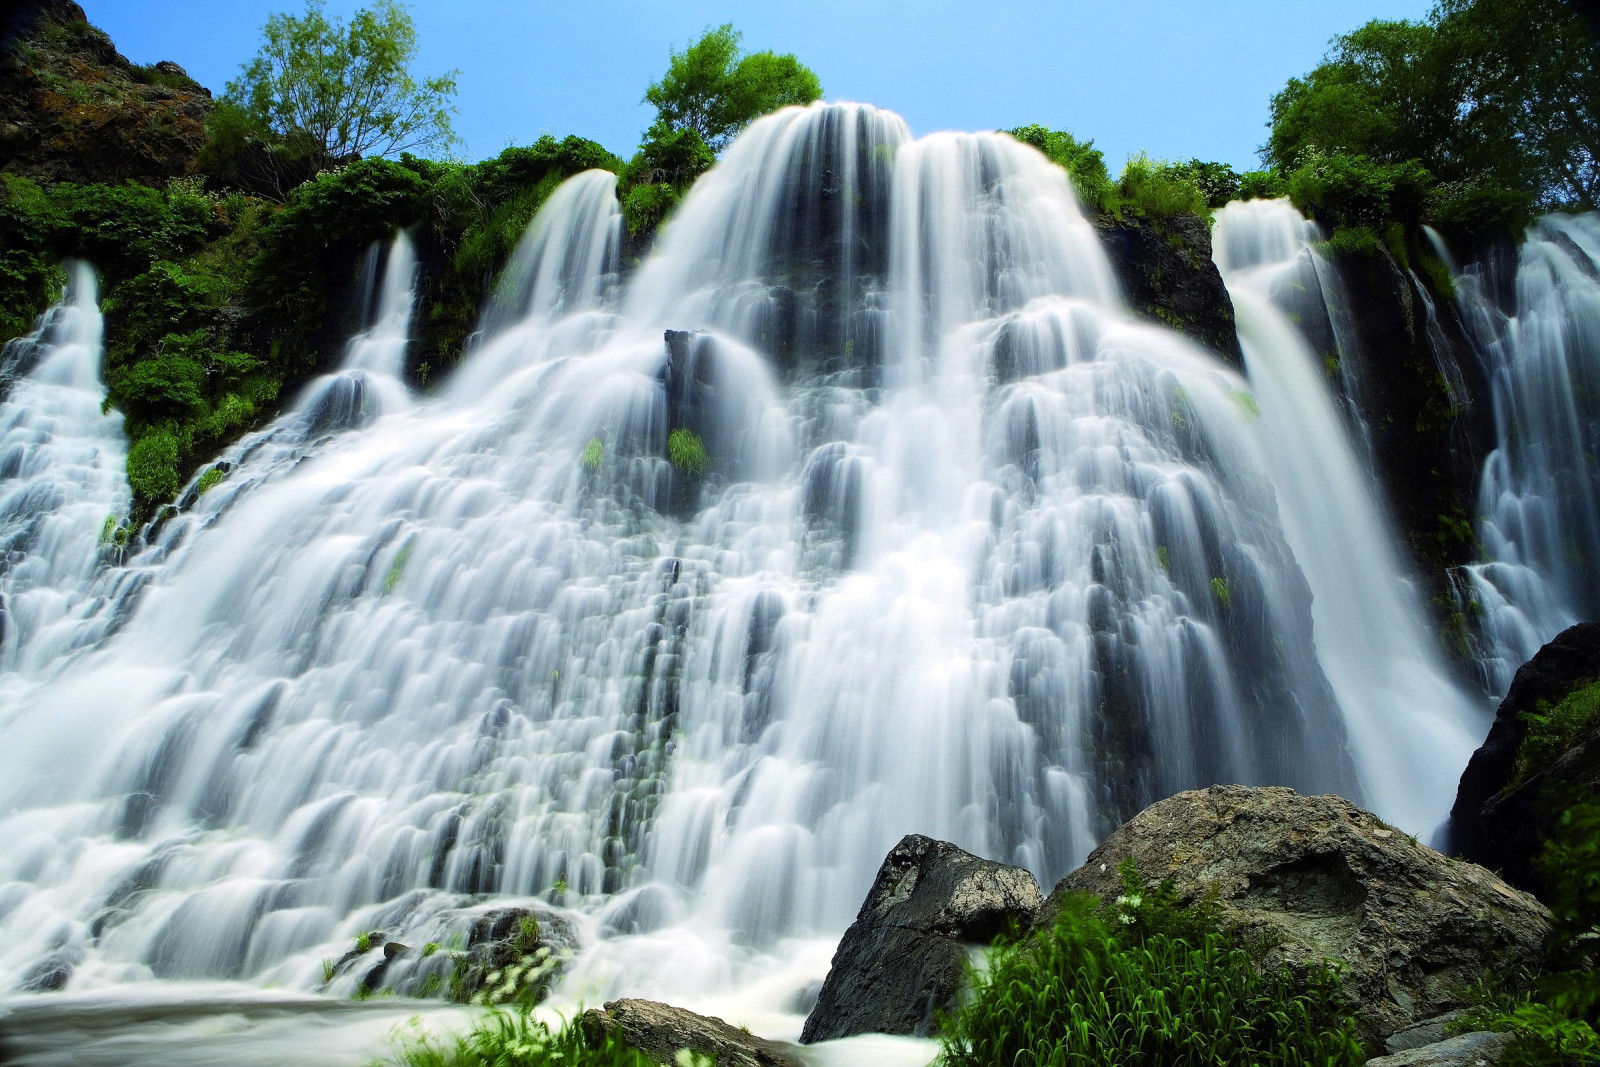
<point x="687" y="452"/>
<point x="594" y="453"/>
<point x="1554" y="729"/>
<point x="1143" y="982"/>
<point x="507" y="1039"/>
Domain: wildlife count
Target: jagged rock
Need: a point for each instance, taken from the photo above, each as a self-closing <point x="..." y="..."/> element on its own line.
<point x="661" y="1031"/>
<point x="1481" y="1049"/>
<point x="1318" y="878"/>
<point x="905" y="955"/>
<point x="73" y="109"/>
<point x="1504" y="830"/>
<point x="1167" y="274"/>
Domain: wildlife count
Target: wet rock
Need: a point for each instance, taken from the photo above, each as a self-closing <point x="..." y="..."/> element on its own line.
<point x="1420" y="390"/>
<point x="507" y="939"/>
<point x="52" y="973"/>
<point x="661" y="1031"/>
<point x="1481" y="1049"/>
<point x="1505" y="829"/>
<point x="904" y="958"/>
<point x="1168" y="275"/>
<point x="1318" y="878"/>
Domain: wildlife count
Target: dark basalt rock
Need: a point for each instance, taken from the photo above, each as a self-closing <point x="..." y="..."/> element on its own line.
<point x="1318" y="879"/>
<point x="661" y="1031"/>
<point x="1503" y="830"/>
<point x="1419" y="387"/>
<point x="1167" y="274"/>
<point x="904" y="958"/>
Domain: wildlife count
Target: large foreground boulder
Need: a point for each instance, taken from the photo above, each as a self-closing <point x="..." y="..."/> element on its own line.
<point x="905" y="956"/>
<point x="1317" y="878"/>
<point x="1503" y="828"/>
<point x="661" y="1032"/>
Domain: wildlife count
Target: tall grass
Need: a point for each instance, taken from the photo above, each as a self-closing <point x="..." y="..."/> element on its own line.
<point x="515" y="1039"/>
<point x="1142" y="983"/>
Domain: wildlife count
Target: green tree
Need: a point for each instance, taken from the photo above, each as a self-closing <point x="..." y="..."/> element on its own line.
<point x="1498" y="100"/>
<point x="322" y="92"/>
<point x="715" y="90"/>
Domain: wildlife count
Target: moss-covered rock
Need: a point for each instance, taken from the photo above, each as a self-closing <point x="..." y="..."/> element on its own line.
<point x="73" y="109"/>
<point x="1167" y="274"/>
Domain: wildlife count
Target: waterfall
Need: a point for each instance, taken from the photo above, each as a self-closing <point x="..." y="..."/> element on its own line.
<point x="861" y="507"/>
<point x="62" y="487"/>
<point x="1539" y="498"/>
<point x="1410" y="726"/>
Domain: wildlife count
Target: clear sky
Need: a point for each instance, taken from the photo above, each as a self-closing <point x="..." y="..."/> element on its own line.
<point x="1175" y="78"/>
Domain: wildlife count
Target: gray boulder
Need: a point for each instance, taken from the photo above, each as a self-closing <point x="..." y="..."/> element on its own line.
<point x="661" y="1031"/>
<point x="1318" y="878"/>
<point x="904" y="958"/>
<point x="1481" y="1049"/>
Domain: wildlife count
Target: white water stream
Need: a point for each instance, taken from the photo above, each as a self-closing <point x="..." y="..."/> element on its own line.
<point x="1539" y="501"/>
<point x="973" y="554"/>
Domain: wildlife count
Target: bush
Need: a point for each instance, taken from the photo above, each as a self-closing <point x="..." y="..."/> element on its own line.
<point x="503" y="1039"/>
<point x="1260" y="185"/>
<point x="687" y="452"/>
<point x="153" y="467"/>
<point x="1084" y="163"/>
<point x="1159" y="190"/>
<point x="646" y="207"/>
<point x="1142" y="983"/>
<point x="1553" y="730"/>
<point x="1217" y="182"/>
<point x="1351" y="190"/>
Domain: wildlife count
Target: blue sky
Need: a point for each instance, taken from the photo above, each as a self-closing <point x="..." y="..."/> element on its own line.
<point x="1175" y="78"/>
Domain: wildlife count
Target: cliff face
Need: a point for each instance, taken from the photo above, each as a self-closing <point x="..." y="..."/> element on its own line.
<point x="1419" y="389"/>
<point x="73" y="109"/>
<point x="1167" y="274"/>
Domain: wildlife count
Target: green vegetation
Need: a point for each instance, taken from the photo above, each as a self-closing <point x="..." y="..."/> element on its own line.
<point x="687" y="452"/>
<point x="505" y="1039"/>
<point x="594" y="453"/>
<point x="713" y="90"/>
<point x="1488" y="110"/>
<point x="1219" y="589"/>
<point x="1146" y="187"/>
<point x="322" y="93"/>
<point x="1143" y="981"/>
<point x="1553" y="730"/>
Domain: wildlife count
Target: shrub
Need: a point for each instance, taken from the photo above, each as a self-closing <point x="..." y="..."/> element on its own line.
<point x="1084" y="163"/>
<point x="504" y="1039"/>
<point x="1353" y="190"/>
<point x="647" y="206"/>
<point x="1553" y="730"/>
<point x="1260" y="185"/>
<point x="153" y="467"/>
<point x="1142" y="983"/>
<point x="1160" y="190"/>
<point x="1217" y="182"/>
<point x="687" y="452"/>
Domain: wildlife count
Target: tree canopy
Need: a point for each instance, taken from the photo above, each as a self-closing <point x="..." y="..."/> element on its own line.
<point x="715" y="90"/>
<point x="1491" y="97"/>
<point x="322" y="92"/>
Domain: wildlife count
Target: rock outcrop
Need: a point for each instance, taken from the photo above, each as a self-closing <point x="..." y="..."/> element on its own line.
<point x="661" y="1032"/>
<point x="1318" y="878"/>
<point x="905" y="956"/>
<point x="1479" y="1049"/>
<point x="1168" y="275"/>
<point x="73" y="109"/>
<point x="1502" y="828"/>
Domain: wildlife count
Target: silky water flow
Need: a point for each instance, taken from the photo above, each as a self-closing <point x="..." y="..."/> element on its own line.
<point x="861" y="507"/>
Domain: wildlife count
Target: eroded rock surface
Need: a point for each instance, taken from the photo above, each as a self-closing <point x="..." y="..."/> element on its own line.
<point x="1480" y="1049"/>
<point x="661" y="1031"/>
<point x="1319" y="878"/>
<point x="904" y="957"/>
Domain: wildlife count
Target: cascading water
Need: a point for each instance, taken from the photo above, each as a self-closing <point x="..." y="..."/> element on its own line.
<point x="1410" y="727"/>
<point x="1539" y="500"/>
<point x="62" y="486"/>
<point x="862" y="508"/>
